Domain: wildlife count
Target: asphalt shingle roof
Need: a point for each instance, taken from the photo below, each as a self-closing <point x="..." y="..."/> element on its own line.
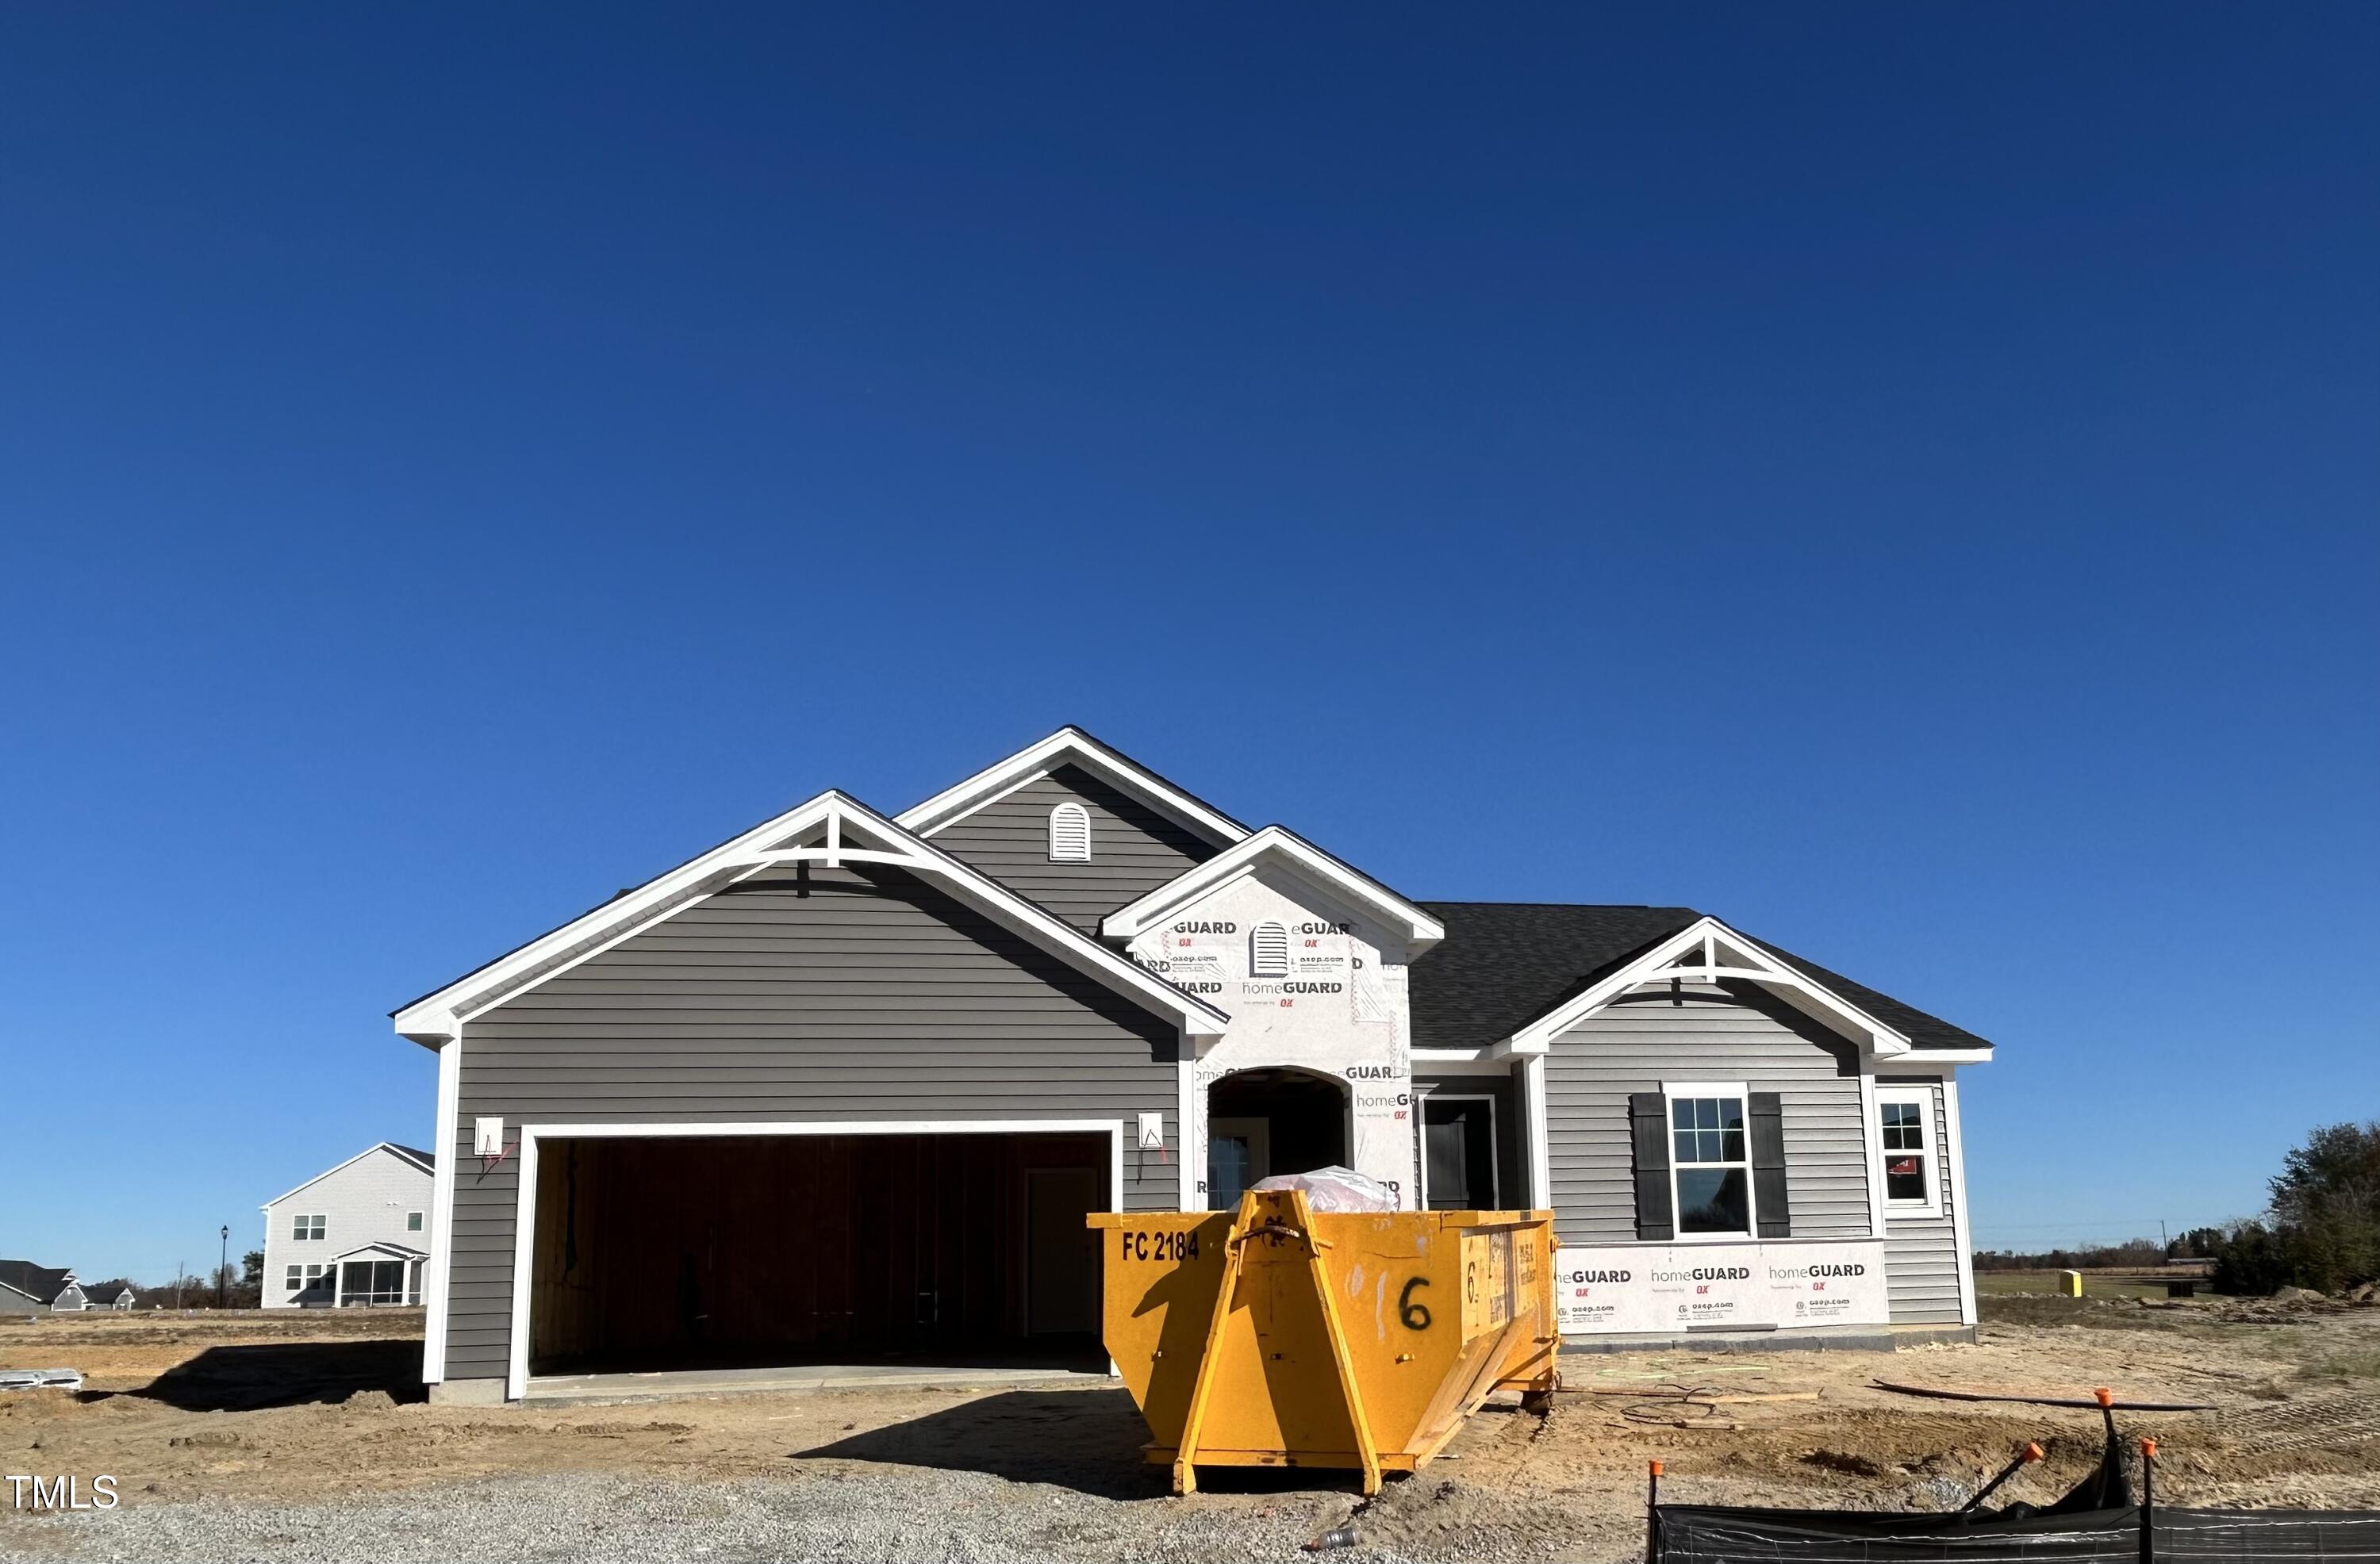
<point x="41" y="1283"/>
<point x="1502" y="964"/>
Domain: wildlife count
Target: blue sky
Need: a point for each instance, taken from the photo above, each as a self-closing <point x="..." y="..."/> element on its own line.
<point x="1902" y="480"/>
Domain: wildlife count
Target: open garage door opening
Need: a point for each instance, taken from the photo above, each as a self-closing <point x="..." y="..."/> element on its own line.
<point x="678" y="1252"/>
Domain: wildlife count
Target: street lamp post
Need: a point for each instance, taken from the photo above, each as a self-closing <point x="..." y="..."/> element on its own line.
<point x="223" y="1266"/>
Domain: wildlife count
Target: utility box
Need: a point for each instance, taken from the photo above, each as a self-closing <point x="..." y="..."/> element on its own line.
<point x="1278" y="1336"/>
<point x="2069" y="1284"/>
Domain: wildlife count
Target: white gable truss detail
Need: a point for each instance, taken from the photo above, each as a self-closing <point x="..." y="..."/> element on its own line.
<point x="1418" y="928"/>
<point x="1070" y="744"/>
<point x="1706" y="951"/>
<point x="838" y="830"/>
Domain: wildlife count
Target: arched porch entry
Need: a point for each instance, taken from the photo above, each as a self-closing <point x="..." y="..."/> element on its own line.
<point x="1269" y="1121"/>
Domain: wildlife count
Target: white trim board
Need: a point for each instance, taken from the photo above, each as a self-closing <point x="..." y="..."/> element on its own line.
<point x="441" y="1215"/>
<point x="524" y="1191"/>
<point x="1072" y="744"/>
<point x="1954" y="1147"/>
<point x="984" y="802"/>
<point x="1540" y="1162"/>
<point x="1460" y="1062"/>
<point x="1418" y="928"/>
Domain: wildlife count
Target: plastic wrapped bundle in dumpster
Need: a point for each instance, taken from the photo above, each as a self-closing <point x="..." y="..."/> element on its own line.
<point x="1336" y="1189"/>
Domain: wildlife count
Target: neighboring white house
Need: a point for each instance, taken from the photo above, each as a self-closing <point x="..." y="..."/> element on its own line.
<point x="355" y="1235"/>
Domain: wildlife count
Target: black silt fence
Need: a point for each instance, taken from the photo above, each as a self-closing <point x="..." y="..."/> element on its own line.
<point x="2097" y="1521"/>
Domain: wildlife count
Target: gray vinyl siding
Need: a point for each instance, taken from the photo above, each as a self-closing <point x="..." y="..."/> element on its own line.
<point x="1639" y="1041"/>
<point x="798" y="995"/>
<point x="1921" y="1253"/>
<point x="1134" y="848"/>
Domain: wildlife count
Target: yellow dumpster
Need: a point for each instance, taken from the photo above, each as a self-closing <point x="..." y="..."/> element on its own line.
<point x="1277" y="1336"/>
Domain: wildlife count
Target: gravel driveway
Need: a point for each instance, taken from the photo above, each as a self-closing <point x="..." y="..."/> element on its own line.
<point x="860" y="1514"/>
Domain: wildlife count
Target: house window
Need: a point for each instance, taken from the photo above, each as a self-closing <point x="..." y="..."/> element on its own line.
<point x="1905" y="1138"/>
<point x="1070" y="834"/>
<point x="300" y="1278"/>
<point x="1268" y="950"/>
<point x="309" y="1227"/>
<point x="1710" y="1160"/>
<point x="413" y="1221"/>
<point x="296" y="1278"/>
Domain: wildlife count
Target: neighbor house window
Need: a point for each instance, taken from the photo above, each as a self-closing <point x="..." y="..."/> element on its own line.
<point x="309" y="1227"/>
<point x="413" y="1221"/>
<point x="1710" y="1160"/>
<point x="296" y="1278"/>
<point x="1070" y="834"/>
<point x="1906" y="1137"/>
<point x="300" y="1278"/>
<point x="1268" y="950"/>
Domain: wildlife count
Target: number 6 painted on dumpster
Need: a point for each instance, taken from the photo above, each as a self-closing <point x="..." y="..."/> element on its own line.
<point x="1415" y="1315"/>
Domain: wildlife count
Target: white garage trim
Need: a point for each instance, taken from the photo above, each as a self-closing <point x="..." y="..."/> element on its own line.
<point x="525" y="1198"/>
<point x="442" y="1215"/>
<point x="1540" y="1163"/>
<point x="1954" y="1148"/>
<point x="1190" y="1136"/>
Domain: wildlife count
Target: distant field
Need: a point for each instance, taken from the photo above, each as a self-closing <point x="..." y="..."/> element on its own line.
<point x="2001" y="1283"/>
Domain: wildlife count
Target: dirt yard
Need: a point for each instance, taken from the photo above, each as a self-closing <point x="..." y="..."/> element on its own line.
<point x="284" y="1436"/>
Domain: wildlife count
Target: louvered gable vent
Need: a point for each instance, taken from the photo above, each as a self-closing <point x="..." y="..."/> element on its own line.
<point x="1268" y="950"/>
<point x="1070" y="834"/>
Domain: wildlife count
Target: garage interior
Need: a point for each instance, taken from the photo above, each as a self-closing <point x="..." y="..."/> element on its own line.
<point x="668" y="1253"/>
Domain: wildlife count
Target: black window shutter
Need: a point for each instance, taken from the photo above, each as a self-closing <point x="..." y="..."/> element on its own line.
<point x="1768" y="1165"/>
<point x="1648" y="1125"/>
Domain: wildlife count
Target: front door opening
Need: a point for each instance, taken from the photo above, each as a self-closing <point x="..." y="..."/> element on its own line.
<point x="1264" y="1122"/>
<point x="1458" y="1137"/>
<point x="703" y="1252"/>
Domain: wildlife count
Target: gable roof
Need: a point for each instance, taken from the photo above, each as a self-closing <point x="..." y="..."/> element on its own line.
<point x="422" y="1160"/>
<point x="832" y="828"/>
<point x="1924" y="1031"/>
<point x="1504" y="964"/>
<point x="1071" y="745"/>
<point x="1419" y="928"/>
<point x="41" y="1283"/>
<point x="381" y="1246"/>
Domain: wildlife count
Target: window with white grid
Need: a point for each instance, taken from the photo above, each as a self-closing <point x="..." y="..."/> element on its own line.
<point x="1710" y="1159"/>
<point x="1905" y="1138"/>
